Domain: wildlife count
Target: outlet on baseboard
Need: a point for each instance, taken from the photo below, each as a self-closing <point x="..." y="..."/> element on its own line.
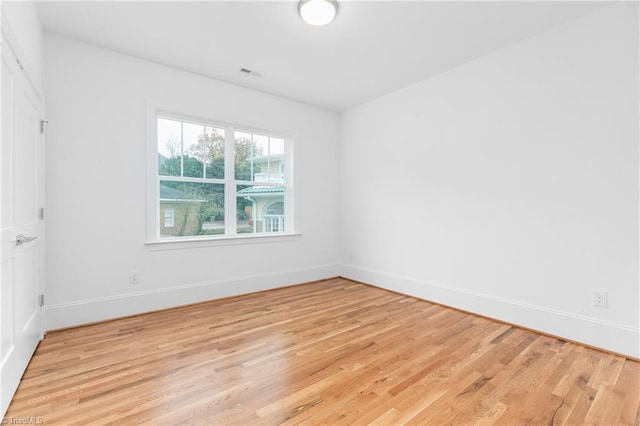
<point x="134" y="277"/>
<point x="600" y="299"/>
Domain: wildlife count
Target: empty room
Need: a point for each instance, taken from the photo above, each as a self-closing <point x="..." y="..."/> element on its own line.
<point x="320" y="212"/>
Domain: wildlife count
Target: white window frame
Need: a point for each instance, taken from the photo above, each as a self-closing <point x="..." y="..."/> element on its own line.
<point x="154" y="241"/>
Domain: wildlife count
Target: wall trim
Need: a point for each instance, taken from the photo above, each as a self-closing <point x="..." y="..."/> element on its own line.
<point x="70" y="314"/>
<point x="609" y="336"/>
<point x="618" y="338"/>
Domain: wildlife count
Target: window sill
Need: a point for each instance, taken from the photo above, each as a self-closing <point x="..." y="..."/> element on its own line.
<point x="199" y="242"/>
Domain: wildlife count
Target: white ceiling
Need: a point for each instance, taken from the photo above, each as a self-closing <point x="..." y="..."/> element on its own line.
<point x="372" y="47"/>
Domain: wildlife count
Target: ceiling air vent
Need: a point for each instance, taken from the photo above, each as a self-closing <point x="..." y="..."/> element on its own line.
<point x="248" y="71"/>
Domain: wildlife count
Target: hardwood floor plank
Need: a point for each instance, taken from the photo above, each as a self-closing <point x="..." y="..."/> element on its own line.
<point x="327" y="353"/>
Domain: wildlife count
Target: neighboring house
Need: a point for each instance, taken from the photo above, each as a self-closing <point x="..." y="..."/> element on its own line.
<point x="267" y="213"/>
<point x="178" y="212"/>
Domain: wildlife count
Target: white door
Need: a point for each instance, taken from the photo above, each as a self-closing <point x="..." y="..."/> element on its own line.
<point x="20" y="224"/>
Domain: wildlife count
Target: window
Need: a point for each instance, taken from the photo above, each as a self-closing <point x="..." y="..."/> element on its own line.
<point x="168" y="217"/>
<point x="215" y="181"/>
<point x="274" y="217"/>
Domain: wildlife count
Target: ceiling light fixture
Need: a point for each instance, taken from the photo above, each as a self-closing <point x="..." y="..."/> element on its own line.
<point x="317" y="12"/>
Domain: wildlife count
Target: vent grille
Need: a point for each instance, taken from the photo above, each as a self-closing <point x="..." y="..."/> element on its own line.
<point x="250" y="72"/>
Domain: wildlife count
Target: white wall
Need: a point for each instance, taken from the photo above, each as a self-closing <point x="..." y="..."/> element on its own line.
<point x="508" y="186"/>
<point x="21" y="24"/>
<point x="96" y="161"/>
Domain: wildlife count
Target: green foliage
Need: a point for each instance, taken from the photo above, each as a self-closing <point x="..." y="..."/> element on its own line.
<point x="211" y="210"/>
<point x="211" y="231"/>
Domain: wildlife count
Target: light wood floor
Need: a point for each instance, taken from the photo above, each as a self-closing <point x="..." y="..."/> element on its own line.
<point x="331" y="352"/>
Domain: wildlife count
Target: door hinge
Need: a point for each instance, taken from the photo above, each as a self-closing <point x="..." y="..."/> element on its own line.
<point x="41" y="213"/>
<point x="41" y="300"/>
<point x="42" y="123"/>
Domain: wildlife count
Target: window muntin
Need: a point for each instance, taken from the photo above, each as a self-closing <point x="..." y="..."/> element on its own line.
<point x="218" y="180"/>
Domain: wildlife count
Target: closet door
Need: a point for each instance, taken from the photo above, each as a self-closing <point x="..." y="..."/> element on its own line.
<point x="21" y="196"/>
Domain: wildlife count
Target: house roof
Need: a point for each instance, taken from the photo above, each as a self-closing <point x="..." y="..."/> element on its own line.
<point x="261" y="190"/>
<point x="171" y="194"/>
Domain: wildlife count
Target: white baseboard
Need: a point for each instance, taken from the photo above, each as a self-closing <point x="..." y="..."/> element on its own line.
<point x="87" y="311"/>
<point x="609" y="336"/>
<point x="613" y="337"/>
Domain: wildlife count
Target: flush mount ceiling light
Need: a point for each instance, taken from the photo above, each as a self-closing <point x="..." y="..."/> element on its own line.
<point x="317" y="12"/>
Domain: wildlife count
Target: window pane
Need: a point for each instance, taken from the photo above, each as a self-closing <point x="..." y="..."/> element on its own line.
<point x="263" y="207"/>
<point x="204" y="151"/>
<point x="244" y="153"/>
<point x="276" y="146"/>
<point x="198" y="208"/>
<point x="276" y="160"/>
<point x="259" y="158"/>
<point x="191" y="135"/>
<point x="214" y="153"/>
<point x="244" y="210"/>
<point x="169" y="147"/>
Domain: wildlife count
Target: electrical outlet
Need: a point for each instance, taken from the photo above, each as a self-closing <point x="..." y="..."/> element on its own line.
<point x="134" y="277"/>
<point x="600" y="299"/>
